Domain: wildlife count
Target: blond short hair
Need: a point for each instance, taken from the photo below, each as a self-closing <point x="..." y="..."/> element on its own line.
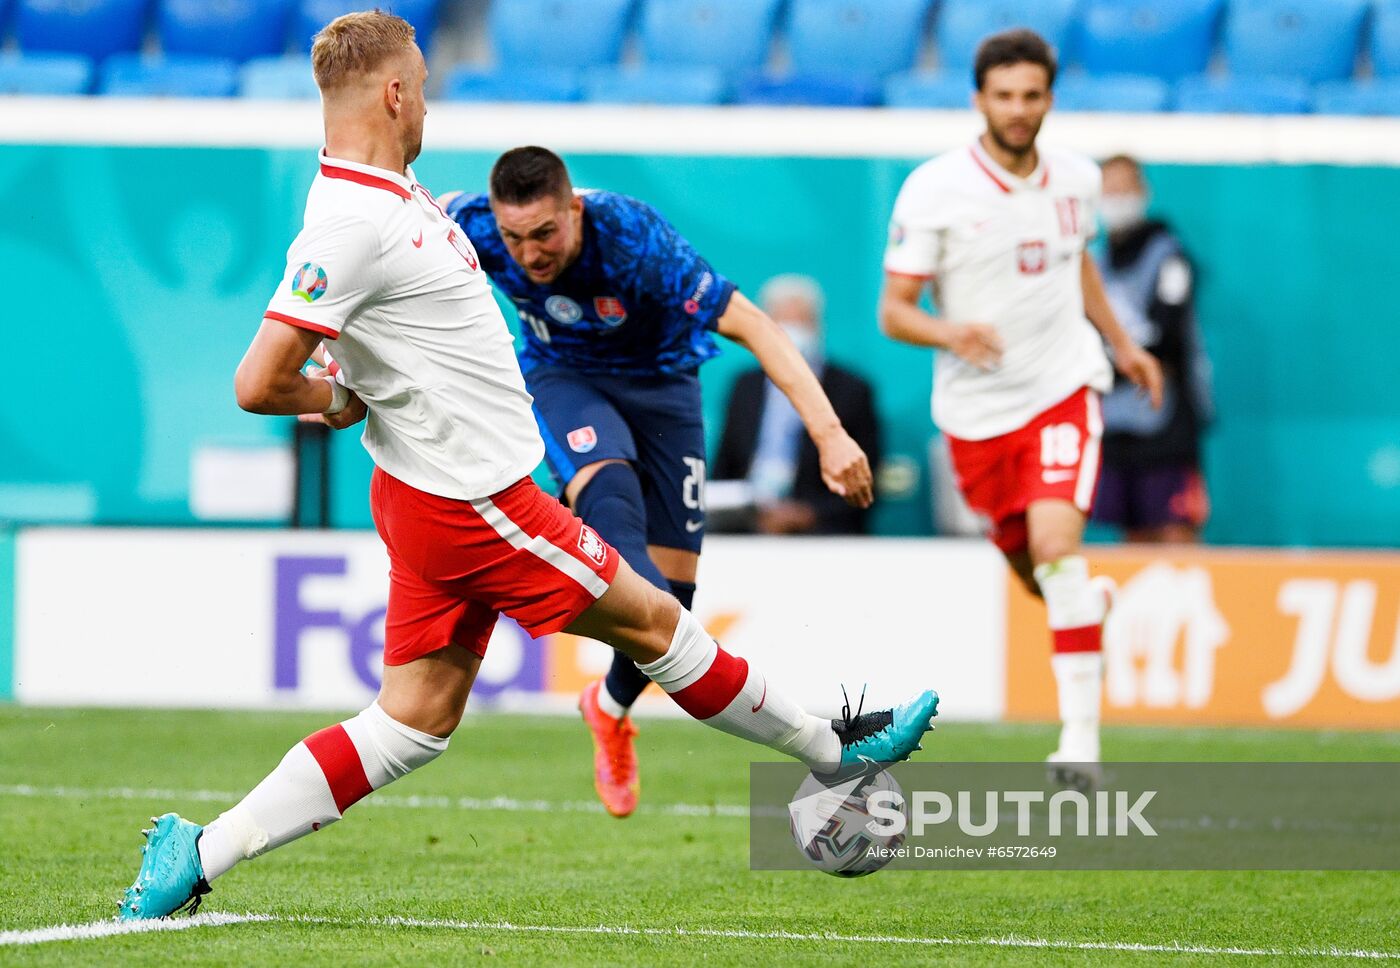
<point x="354" y="44"/>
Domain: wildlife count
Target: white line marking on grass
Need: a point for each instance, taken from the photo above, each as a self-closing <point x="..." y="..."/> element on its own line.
<point x="103" y="929"/>
<point x="107" y="929"/>
<point x="407" y="802"/>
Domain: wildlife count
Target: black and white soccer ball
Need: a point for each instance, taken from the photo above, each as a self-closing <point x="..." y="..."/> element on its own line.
<point x="834" y="830"/>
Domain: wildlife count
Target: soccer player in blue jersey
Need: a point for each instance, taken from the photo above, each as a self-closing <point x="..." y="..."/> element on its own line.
<point x="618" y="312"/>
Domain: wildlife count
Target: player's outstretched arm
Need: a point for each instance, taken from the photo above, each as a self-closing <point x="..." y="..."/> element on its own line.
<point x="1134" y="362"/>
<point x="845" y="468"/>
<point x="270" y="379"/>
<point x="904" y="320"/>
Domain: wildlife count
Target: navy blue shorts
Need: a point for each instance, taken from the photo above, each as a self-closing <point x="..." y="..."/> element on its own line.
<point x="654" y="423"/>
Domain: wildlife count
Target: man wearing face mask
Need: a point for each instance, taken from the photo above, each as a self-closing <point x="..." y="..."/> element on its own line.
<point x="618" y="311"/>
<point x="763" y="443"/>
<point x="1151" y="486"/>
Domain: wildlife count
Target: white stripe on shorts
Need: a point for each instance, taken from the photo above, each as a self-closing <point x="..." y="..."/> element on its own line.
<point x="1089" y="461"/>
<point x="540" y="547"/>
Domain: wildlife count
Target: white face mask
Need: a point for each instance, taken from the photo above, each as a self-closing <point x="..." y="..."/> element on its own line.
<point x="808" y="343"/>
<point x="1120" y="212"/>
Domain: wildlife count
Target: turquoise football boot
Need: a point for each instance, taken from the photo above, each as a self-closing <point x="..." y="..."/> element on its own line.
<point x="878" y="739"/>
<point x="171" y="875"/>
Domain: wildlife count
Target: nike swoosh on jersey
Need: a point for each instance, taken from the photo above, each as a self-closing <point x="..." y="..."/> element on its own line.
<point x="1058" y="477"/>
<point x="418" y="242"/>
<point x="763" y="698"/>
<point x="694" y="526"/>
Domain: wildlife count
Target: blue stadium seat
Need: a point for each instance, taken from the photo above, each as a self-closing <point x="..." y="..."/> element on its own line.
<point x="962" y="24"/>
<point x="94" y="28"/>
<point x="1164" y="38"/>
<point x="656" y="85"/>
<point x="312" y="15"/>
<point x="805" y="90"/>
<point x="1385" y="38"/>
<point x="1241" y="95"/>
<point x="1375" y="98"/>
<point x="1111" y="92"/>
<point x="46" y="74"/>
<point x="278" y="79"/>
<point x="558" y="34"/>
<point x="472" y="84"/>
<point x="868" y="39"/>
<point x="732" y="34"/>
<point x="918" y="89"/>
<point x="1314" y="40"/>
<point x="240" y="29"/>
<point x="135" y="75"/>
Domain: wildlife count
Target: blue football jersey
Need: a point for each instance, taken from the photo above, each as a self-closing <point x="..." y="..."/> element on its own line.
<point x="638" y="300"/>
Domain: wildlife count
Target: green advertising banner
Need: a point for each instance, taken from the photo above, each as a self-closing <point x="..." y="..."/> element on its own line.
<point x="138" y="275"/>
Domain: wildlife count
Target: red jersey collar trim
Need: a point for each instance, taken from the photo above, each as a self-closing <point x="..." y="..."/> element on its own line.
<point x="367" y="175"/>
<point x="1006" y="181"/>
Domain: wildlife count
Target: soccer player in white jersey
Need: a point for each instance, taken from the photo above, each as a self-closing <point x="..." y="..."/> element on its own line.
<point x="422" y="347"/>
<point x="999" y="229"/>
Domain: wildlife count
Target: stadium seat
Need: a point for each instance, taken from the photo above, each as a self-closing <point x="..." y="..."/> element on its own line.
<point x="1111" y="92"/>
<point x="1376" y="98"/>
<point x="867" y="39"/>
<point x="1240" y="95"/>
<point x="655" y="85"/>
<point x="918" y="89"/>
<point x="962" y="24"/>
<point x="1163" y="38"/>
<point x="1313" y="40"/>
<point x="472" y="84"/>
<point x="312" y="15"/>
<point x="134" y="75"/>
<point x="46" y="74"/>
<point x="94" y="28"/>
<point x="558" y="34"/>
<point x="240" y="29"/>
<point x="1385" y="38"/>
<point x="805" y="90"/>
<point x="278" y="79"/>
<point x="731" y="34"/>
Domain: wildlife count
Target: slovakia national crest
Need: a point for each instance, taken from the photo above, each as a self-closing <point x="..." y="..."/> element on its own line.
<point x="610" y="310"/>
<point x="592" y="546"/>
<point x="583" y="439"/>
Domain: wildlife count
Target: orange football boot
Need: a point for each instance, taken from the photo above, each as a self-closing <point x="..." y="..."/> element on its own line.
<point x="614" y="758"/>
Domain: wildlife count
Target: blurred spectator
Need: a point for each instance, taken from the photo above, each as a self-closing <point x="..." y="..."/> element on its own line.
<point x="763" y="442"/>
<point x="1152" y="486"/>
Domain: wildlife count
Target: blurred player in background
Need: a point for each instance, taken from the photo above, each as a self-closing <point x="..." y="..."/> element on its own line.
<point x="1000" y="228"/>
<point x="424" y="353"/>
<point x="1152" y="486"/>
<point x="618" y="312"/>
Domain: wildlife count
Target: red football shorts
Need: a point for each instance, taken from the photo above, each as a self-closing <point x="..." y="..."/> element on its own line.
<point x="1055" y="456"/>
<point x="455" y="565"/>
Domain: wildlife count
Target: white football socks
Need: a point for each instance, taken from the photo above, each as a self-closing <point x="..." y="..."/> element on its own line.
<point x="1076" y="609"/>
<point x="314" y="785"/>
<point x="722" y="691"/>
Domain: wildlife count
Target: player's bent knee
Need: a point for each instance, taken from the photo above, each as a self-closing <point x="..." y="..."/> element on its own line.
<point x="583" y="476"/>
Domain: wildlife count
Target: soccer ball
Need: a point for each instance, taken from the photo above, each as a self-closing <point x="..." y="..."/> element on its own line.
<point x="832" y="826"/>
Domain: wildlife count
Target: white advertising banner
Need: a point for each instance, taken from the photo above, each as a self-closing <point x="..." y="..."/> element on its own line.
<point x="259" y="619"/>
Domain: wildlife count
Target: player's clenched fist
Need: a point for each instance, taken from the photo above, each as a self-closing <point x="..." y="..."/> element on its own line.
<point x="846" y="469"/>
<point x="1142" y="368"/>
<point x="976" y="343"/>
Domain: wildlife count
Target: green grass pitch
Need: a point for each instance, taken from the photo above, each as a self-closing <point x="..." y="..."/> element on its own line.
<point x="522" y="883"/>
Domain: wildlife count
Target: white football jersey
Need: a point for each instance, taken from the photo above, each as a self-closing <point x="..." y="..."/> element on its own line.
<point x="1005" y="251"/>
<point x="379" y="268"/>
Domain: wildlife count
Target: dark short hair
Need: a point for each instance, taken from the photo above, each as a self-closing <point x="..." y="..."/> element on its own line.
<point x="1017" y="46"/>
<point x="522" y="175"/>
